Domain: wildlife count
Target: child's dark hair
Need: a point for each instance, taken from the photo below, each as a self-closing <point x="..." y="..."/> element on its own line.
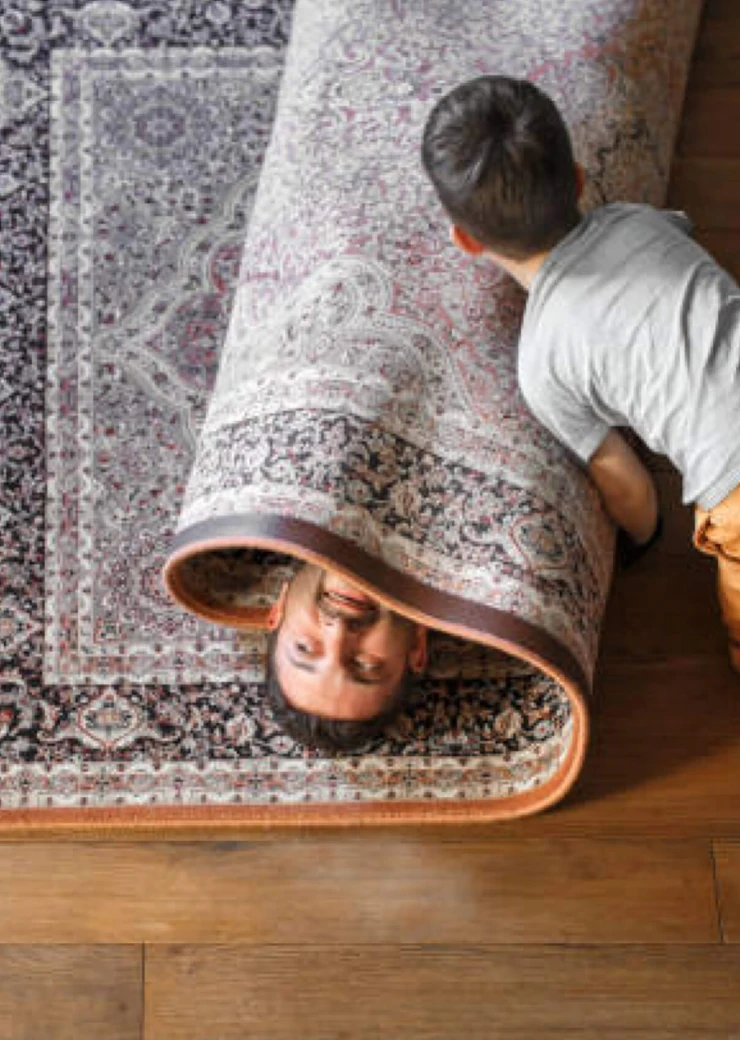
<point x="499" y="155"/>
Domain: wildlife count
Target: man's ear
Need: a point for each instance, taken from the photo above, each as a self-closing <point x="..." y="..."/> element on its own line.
<point x="465" y="242"/>
<point x="275" y="617"/>
<point x="418" y="652"/>
<point x="580" y="179"/>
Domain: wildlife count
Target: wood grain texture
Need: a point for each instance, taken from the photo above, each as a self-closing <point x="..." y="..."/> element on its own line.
<point x="70" y="993"/>
<point x="665" y="751"/>
<point x="710" y="114"/>
<point x="663" y="608"/>
<point x="379" y="890"/>
<point x="727" y="864"/>
<point x="724" y="247"/>
<point x="716" y="60"/>
<point x="439" y="994"/>
<point x="709" y="190"/>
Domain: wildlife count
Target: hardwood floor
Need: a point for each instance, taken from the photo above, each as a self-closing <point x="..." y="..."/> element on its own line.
<point x="616" y="914"/>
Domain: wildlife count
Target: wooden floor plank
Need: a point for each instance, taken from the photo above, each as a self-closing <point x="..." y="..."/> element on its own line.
<point x="664" y="608"/>
<point x="709" y="190"/>
<point x="664" y="756"/>
<point x="727" y="861"/>
<point x="706" y="128"/>
<point x="716" y="59"/>
<point x="380" y="890"/>
<point x="440" y="994"/>
<point x="70" y="992"/>
<point x="724" y="246"/>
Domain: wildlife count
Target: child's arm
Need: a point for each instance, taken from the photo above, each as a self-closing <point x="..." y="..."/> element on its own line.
<point x="626" y="487"/>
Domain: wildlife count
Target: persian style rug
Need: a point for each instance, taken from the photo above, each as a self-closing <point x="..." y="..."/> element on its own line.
<point x="365" y="412"/>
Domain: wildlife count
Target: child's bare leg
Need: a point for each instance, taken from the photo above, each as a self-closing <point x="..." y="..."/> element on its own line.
<point x="718" y="533"/>
<point x="728" y="588"/>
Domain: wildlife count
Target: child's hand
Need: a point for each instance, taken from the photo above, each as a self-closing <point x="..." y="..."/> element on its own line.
<point x="629" y="551"/>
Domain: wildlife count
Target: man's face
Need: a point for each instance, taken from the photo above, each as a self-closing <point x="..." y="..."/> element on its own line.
<point x="338" y="652"/>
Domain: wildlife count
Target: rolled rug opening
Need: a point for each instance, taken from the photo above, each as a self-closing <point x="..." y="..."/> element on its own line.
<point x="366" y="416"/>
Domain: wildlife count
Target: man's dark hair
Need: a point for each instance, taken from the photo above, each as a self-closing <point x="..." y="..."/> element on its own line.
<point x="319" y="730"/>
<point x="499" y="155"/>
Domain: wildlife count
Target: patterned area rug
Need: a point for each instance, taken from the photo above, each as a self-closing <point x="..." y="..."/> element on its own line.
<point x="133" y="135"/>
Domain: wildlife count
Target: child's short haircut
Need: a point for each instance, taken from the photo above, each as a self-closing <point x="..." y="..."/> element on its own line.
<point x="499" y="155"/>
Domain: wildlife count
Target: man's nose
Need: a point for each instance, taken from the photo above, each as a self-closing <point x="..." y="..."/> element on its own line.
<point x="340" y="635"/>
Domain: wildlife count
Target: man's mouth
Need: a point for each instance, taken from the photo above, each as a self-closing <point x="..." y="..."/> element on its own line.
<point x="340" y="597"/>
<point x="344" y="593"/>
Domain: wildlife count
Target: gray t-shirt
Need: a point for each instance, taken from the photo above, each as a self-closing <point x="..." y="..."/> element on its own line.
<point x="629" y="322"/>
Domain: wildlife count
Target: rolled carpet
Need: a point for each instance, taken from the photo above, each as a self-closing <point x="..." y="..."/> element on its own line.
<point x="366" y="415"/>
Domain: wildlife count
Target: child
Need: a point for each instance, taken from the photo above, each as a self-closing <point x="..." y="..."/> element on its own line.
<point x="628" y="321"/>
